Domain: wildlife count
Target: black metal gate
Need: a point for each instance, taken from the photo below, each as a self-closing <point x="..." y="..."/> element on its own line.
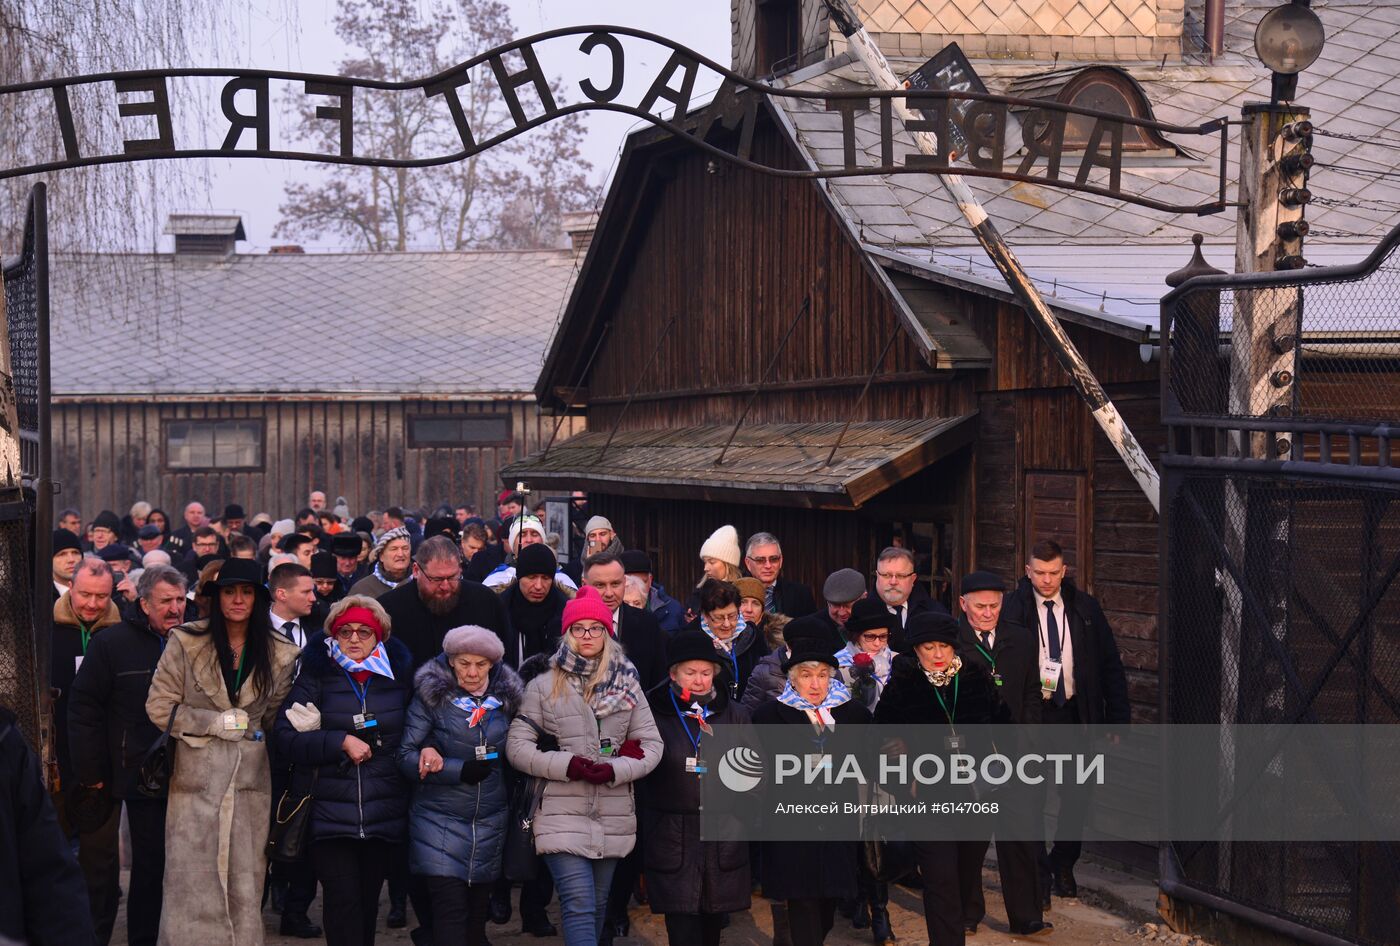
<point x="26" y="517"/>
<point x="1280" y="556"/>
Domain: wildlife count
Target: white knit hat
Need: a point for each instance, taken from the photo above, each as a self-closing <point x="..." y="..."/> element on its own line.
<point x="525" y="522"/>
<point x="722" y="544"/>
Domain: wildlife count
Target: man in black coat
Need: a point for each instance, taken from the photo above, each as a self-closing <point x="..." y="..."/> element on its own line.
<point x="109" y="733"/>
<point x="182" y="539"/>
<point x="1007" y="651"/>
<point x="763" y="557"/>
<point x="896" y="585"/>
<point x="1090" y="689"/>
<point x="535" y="602"/>
<point x="423" y="610"/>
<point x="42" y="900"/>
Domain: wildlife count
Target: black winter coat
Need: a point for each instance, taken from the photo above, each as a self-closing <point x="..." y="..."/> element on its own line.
<point x="1017" y="656"/>
<point x="43" y="901"/>
<point x="909" y="697"/>
<point x="794" y="870"/>
<point x="1100" y="685"/>
<point x="108" y="729"/>
<point x="65" y="657"/>
<point x="423" y="631"/>
<point x="535" y="627"/>
<point x="644" y="642"/>
<point x="685" y="874"/>
<point x="369" y="800"/>
<point x="793" y="599"/>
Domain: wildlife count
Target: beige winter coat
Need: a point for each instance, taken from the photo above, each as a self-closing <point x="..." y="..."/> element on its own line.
<point x="578" y="817"/>
<point x="216" y="822"/>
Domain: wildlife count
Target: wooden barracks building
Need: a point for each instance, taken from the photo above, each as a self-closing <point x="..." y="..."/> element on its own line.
<point x="725" y="324"/>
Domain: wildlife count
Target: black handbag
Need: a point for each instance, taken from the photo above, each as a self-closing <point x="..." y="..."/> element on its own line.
<point x="158" y="764"/>
<point x="291" y="821"/>
<point x="520" y="862"/>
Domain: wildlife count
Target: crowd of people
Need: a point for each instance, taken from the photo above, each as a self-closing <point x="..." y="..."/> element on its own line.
<point x="462" y="714"/>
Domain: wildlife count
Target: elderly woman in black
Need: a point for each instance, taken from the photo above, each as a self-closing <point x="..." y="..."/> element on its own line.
<point x="931" y="685"/>
<point x="694" y="883"/>
<point x="739" y="644"/>
<point x="811" y="876"/>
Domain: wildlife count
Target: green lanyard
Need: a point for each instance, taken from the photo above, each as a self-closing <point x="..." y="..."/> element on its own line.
<point x="956" y="680"/>
<point x="990" y="659"/>
<point x="87" y="636"/>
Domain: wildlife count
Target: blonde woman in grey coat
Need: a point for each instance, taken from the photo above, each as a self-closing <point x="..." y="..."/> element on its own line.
<point x="592" y="705"/>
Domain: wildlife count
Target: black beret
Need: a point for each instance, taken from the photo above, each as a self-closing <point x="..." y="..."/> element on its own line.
<point x="148" y="532"/>
<point x="930" y="626"/>
<point x="981" y="581"/>
<point x="115" y="553"/>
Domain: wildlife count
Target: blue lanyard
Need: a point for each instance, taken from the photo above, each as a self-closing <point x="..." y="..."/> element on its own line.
<point x="694" y="740"/>
<point x="361" y="692"/>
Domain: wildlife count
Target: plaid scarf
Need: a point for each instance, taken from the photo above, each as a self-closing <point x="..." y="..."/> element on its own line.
<point x="620" y="685"/>
<point x="376" y="662"/>
<point x="476" y="710"/>
<point x="835" y="696"/>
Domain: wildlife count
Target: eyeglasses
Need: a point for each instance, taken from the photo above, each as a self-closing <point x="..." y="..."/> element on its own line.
<point x="893" y="576"/>
<point x="346" y="633"/>
<point x="442" y="580"/>
<point x="766" y="559"/>
<point x="724" y="620"/>
<point x="577" y="631"/>
<point x="876" y="638"/>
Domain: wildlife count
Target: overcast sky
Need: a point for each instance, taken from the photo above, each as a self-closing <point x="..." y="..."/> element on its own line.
<point x="308" y="43"/>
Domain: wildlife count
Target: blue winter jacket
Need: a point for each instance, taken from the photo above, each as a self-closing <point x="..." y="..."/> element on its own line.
<point x="457" y="830"/>
<point x="369" y="800"/>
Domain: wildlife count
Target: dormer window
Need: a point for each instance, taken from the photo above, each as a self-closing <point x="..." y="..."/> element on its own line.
<point x="778" y="36"/>
<point x="1105" y="89"/>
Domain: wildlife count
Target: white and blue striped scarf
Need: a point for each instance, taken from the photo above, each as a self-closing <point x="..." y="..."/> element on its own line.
<point x="728" y="645"/>
<point x="376" y="662"/>
<point x="835" y="696"/>
<point x="476" y="710"/>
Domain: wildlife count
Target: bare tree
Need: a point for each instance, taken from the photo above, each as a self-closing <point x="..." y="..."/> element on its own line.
<point x="98" y="208"/>
<point x="511" y="194"/>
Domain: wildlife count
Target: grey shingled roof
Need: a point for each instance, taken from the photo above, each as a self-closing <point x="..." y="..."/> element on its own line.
<point x="1062" y="236"/>
<point x="393" y="324"/>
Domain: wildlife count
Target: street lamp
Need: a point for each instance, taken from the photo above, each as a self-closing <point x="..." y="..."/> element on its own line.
<point x="1288" y="39"/>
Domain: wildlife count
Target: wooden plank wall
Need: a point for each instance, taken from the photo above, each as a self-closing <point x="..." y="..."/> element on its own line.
<point x="107" y="456"/>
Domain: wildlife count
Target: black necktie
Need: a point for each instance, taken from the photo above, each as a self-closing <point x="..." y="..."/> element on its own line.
<point x="899" y="613"/>
<point x="1052" y="635"/>
<point x="287" y="629"/>
<point x="984" y="635"/>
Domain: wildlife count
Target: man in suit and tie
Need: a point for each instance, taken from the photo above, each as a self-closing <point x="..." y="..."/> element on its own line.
<point x="763" y="557"/>
<point x="1007" y="651"/>
<point x="895" y="581"/>
<point x="1085" y="686"/>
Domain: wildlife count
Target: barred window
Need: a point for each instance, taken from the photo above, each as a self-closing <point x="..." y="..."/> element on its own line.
<point x="214" y="444"/>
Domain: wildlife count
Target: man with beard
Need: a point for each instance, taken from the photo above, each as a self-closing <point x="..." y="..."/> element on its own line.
<point x="535" y="602"/>
<point x="390" y="559"/>
<point x="437" y="599"/>
<point x="895" y="583"/>
<point x="109" y="732"/>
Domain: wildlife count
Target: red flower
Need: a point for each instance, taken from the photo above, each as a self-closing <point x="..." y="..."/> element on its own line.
<point x="863" y="660"/>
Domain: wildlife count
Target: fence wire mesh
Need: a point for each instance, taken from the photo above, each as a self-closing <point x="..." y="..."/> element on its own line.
<point x="1283" y="606"/>
<point x="22" y="316"/>
<point x="1324" y="349"/>
<point x="19" y="663"/>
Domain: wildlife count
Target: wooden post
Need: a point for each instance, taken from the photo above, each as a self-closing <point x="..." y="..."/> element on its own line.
<point x="1083" y="380"/>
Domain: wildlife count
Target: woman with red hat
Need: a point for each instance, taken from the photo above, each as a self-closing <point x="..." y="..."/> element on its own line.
<point x="340" y="728"/>
<point x="591" y="702"/>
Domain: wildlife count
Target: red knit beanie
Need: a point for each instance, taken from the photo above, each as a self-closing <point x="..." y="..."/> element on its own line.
<point x="358" y="615"/>
<point x="587" y="605"/>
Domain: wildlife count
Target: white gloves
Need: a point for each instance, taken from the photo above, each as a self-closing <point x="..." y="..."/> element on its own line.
<point x="304" y="717"/>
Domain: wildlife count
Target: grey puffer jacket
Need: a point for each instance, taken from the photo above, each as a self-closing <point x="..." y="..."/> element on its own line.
<point x="457" y="830"/>
<point x="578" y="817"/>
<point x="766" y="681"/>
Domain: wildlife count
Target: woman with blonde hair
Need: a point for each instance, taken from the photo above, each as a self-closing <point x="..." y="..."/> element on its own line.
<point x="589" y="708"/>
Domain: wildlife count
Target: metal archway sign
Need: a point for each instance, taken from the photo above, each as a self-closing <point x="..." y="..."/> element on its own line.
<point x="246" y="132"/>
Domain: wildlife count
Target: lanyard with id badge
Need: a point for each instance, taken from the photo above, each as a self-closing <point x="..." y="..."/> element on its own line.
<point x="694" y="764"/>
<point x="366" y="726"/>
<point x="954" y="742"/>
<point x="479" y="713"/>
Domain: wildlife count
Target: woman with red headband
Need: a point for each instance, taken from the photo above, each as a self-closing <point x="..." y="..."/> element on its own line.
<point x="340" y="729"/>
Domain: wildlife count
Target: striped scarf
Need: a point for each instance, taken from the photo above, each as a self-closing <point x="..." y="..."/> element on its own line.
<point x="729" y="645"/>
<point x="620" y="683"/>
<point x="835" y="696"/>
<point x="387" y="580"/>
<point x="376" y="662"/>
<point x="476" y="710"/>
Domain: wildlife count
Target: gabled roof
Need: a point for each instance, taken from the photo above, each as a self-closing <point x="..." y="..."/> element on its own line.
<point x="229" y="225"/>
<point x="376" y="324"/>
<point x="1063" y="236"/>
<point x="777" y="463"/>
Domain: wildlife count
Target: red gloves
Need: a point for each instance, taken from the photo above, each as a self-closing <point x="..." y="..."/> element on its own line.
<point x="595" y="773"/>
<point x="631" y="749"/>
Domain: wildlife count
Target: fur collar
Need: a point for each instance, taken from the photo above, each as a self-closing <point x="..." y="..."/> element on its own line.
<point x="63" y="613"/>
<point x="316" y="659"/>
<point x="436" y="684"/>
<point x="203" y="659"/>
